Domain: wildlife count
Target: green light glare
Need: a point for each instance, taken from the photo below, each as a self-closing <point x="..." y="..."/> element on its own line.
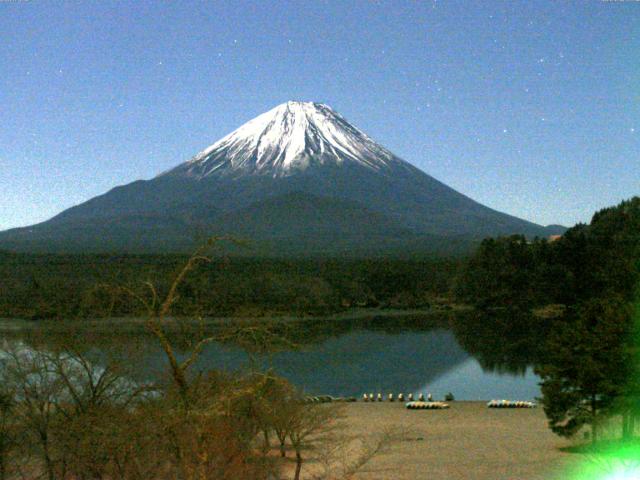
<point x="614" y="459"/>
<point x="624" y="473"/>
<point x="617" y="463"/>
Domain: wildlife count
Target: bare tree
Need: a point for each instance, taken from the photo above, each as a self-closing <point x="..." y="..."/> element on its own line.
<point x="307" y="423"/>
<point x="67" y="410"/>
<point x="342" y="457"/>
<point x="208" y="431"/>
<point x="158" y="311"/>
<point x="8" y="430"/>
<point x="86" y="420"/>
<point x="37" y="389"/>
<point x="93" y="402"/>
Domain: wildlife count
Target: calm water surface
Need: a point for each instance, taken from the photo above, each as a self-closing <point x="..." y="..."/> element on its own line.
<point x="474" y="358"/>
<point x="370" y="361"/>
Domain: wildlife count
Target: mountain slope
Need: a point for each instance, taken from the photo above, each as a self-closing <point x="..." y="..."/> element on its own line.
<point x="297" y="178"/>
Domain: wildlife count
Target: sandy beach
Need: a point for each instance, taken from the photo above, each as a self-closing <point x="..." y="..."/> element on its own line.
<point x="467" y="441"/>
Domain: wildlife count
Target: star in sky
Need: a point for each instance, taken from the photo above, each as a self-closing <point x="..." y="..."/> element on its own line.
<point x="418" y="60"/>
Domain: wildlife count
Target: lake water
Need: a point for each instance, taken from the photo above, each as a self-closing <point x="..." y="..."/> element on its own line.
<point x="383" y="355"/>
<point x="368" y="361"/>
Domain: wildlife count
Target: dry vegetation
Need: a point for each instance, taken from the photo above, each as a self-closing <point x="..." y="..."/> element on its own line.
<point x="65" y="414"/>
<point x="61" y="417"/>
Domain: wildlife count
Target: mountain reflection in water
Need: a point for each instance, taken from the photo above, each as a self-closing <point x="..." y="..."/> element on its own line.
<point x="475" y="356"/>
<point x="358" y="362"/>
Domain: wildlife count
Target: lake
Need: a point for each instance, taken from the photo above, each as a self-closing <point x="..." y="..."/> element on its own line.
<point x="370" y="361"/>
<point x="476" y="357"/>
<point x="472" y="357"/>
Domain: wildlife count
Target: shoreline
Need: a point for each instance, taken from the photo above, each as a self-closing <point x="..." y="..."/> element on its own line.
<point x="357" y="314"/>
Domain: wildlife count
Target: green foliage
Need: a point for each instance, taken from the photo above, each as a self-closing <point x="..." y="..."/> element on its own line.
<point x="588" y="356"/>
<point x="500" y="273"/>
<point x="595" y="260"/>
<point x="69" y="286"/>
<point x="587" y="366"/>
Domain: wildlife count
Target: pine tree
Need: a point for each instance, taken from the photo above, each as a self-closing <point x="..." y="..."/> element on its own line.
<point x="587" y="368"/>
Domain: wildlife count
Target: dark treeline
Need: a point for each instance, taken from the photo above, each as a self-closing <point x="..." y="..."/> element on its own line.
<point x="70" y="286"/>
<point x="502" y="341"/>
<point x="599" y="260"/>
<point x="589" y="360"/>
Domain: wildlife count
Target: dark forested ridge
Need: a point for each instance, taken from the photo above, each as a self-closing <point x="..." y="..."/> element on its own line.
<point x="590" y="365"/>
<point x="595" y="260"/>
<point x="68" y="286"/>
<point x="598" y="260"/>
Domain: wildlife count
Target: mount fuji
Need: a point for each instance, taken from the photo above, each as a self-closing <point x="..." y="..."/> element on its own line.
<point x="296" y="180"/>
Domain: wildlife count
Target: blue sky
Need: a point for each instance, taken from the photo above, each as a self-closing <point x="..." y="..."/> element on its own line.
<point x="532" y="108"/>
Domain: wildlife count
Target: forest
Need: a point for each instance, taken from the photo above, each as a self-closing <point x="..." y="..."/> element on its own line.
<point x="586" y="282"/>
<point x="598" y="260"/>
<point x="78" y="286"/>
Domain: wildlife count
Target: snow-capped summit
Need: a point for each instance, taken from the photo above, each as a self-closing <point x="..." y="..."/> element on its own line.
<point x="287" y="139"/>
<point x="296" y="180"/>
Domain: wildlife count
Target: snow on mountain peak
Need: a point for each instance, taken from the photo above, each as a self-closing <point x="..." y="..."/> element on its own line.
<point x="287" y="139"/>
